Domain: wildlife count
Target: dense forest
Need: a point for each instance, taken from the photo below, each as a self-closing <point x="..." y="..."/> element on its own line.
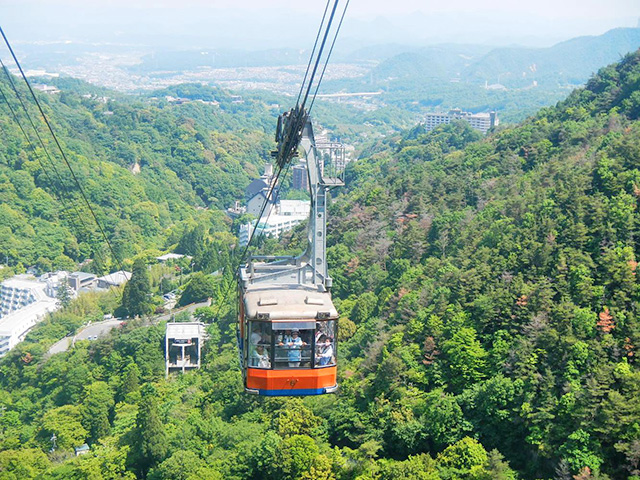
<point x="149" y="169"/>
<point x="487" y="290"/>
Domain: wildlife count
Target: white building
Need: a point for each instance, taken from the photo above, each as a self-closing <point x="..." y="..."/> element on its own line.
<point x="169" y="256"/>
<point x="284" y="216"/>
<point x="273" y="226"/>
<point x="295" y="208"/>
<point x="23" y="303"/>
<point x="54" y="281"/>
<point x="478" y="121"/>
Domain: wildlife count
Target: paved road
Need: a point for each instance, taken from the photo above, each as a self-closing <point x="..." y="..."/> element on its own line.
<point x="92" y="330"/>
<point x="99" y="329"/>
<point x="60" y="346"/>
<point x="95" y="330"/>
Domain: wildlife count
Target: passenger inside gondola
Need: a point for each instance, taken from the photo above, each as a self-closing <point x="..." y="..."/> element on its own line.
<point x="260" y="357"/>
<point x="324" y="351"/>
<point x="293" y="348"/>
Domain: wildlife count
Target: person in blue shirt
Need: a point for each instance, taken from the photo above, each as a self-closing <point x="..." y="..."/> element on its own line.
<point x="294" y="343"/>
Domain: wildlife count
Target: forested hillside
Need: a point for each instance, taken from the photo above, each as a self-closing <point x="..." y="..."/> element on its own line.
<point x="148" y="168"/>
<point x="488" y="299"/>
<point x="493" y="287"/>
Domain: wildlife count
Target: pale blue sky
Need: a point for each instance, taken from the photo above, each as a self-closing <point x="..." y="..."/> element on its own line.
<point x="274" y="23"/>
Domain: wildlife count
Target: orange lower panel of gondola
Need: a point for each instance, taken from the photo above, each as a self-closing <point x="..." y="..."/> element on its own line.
<point x="315" y="381"/>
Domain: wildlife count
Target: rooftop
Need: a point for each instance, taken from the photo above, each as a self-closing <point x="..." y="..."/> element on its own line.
<point x="185" y="330"/>
<point x="283" y="302"/>
<point x="169" y="256"/>
<point x="13" y="321"/>
<point x="116" y="278"/>
<point x="23" y="281"/>
<point x="82" y="275"/>
<point x="255" y="187"/>
<point x="295" y="203"/>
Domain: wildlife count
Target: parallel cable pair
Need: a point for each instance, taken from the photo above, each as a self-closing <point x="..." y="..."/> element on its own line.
<point x="297" y="118"/>
<point x="64" y="156"/>
<point x="300" y="116"/>
<point x="61" y="197"/>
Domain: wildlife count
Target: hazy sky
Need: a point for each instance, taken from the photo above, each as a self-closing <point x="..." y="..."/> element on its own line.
<point x="273" y="23"/>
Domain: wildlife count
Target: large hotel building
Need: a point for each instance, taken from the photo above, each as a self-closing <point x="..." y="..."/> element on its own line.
<point x="479" y="121"/>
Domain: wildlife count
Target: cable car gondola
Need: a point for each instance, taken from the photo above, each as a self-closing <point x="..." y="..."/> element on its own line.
<point x="287" y="322"/>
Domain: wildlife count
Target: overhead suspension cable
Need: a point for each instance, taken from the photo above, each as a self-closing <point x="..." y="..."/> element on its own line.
<point x="324" y="40"/>
<point x="298" y="118"/>
<point x="64" y="156"/>
<point x="37" y="157"/>
<point x="313" y="51"/>
<point x="335" y="37"/>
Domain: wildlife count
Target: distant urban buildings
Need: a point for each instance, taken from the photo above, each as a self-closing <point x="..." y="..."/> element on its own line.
<point x="277" y="216"/>
<point x="300" y="179"/>
<point x="50" y="89"/>
<point x="25" y="301"/>
<point x="478" y="121"/>
<point x="335" y="155"/>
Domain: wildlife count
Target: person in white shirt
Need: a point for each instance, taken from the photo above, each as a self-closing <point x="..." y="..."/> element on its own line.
<point x="260" y="357"/>
<point x="324" y="351"/>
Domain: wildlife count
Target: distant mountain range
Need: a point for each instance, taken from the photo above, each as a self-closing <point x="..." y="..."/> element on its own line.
<point x="566" y="63"/>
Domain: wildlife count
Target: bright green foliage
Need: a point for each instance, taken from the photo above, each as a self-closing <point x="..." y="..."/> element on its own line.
<point x="296" y="419"/>
<point x="364" y="308"/>
<point x="199" y="289"/>
<point x="463" y="458"/>
<point x="418" y="467"/>
<point x="149" y="442"/>
<point x="143" y="164"/>
<point x="66" y="424"/>
<point x="104" y="462"/>
<point x="24" y="464"/>
<point x="296" y="456"/>
<point x="466" y="359"/>
<point x="96" y="410"/>
<point x="130" y="380"/>
<point x="443" y="419"/>
<point x="321" y="469"/>
<point x="579" y="451"/>
<point x="183" y="466"/>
